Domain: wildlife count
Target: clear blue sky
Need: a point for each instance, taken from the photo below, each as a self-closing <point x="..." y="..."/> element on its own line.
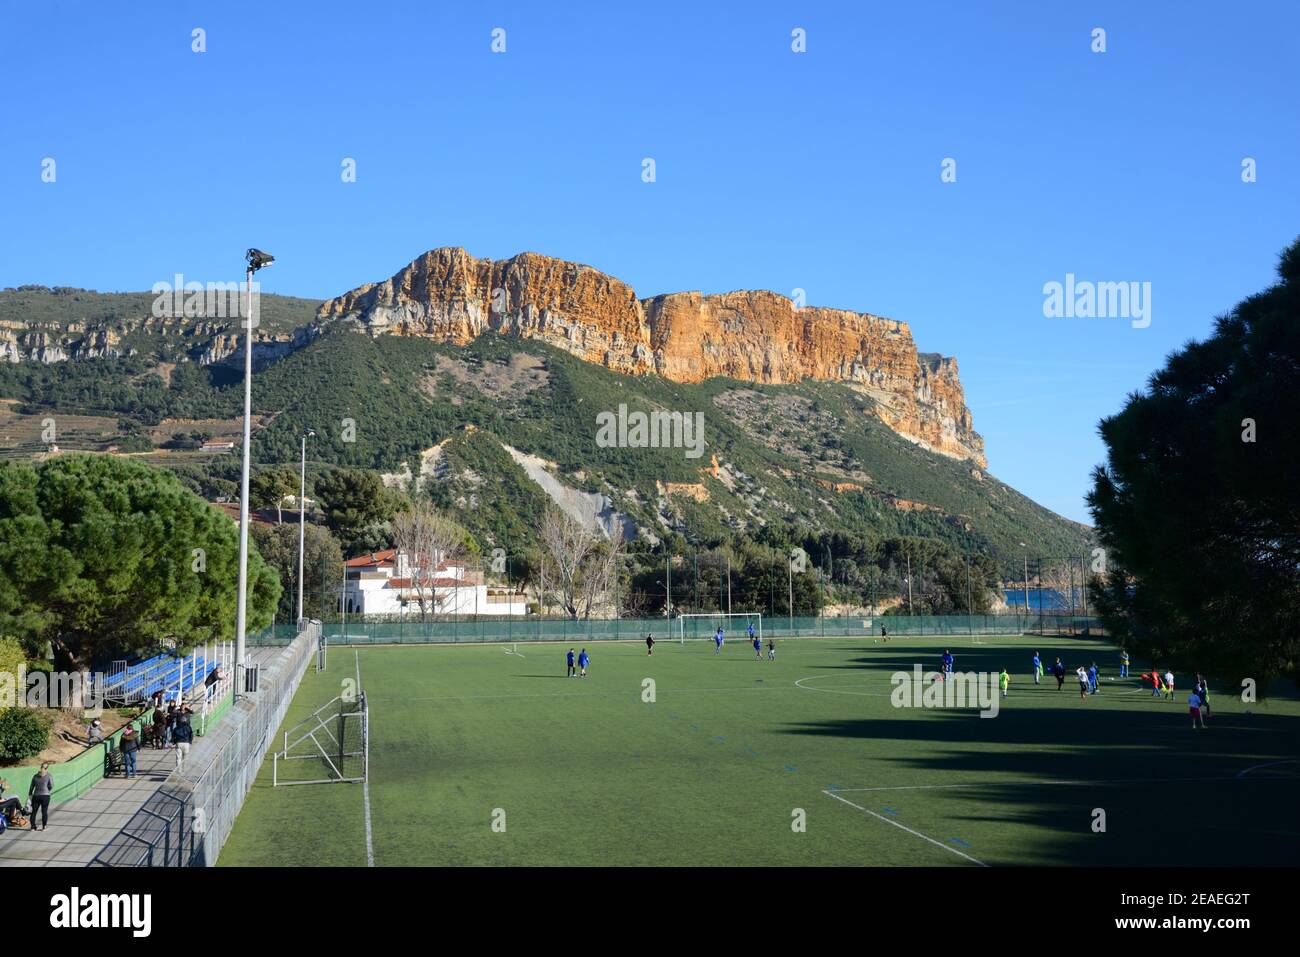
<point x="775" y="170"/>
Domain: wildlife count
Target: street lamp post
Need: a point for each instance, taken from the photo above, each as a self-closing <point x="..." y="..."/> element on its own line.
<point x="256" y="260"/>
<point x="302" y="519"/>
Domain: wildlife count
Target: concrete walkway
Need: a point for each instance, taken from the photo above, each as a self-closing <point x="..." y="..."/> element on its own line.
<point x="79" y="829"/>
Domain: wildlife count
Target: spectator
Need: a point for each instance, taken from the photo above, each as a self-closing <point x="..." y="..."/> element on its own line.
<point x="8" y="804"/>
<point x="211" y="681"/>
<point x="42" y="787"/>
<point x="130" y="745"/>
<point x="94" y="732"/>
<point x="183" y="735"/>
<point x="171" y="723"/>
<point x="158" y="731"/>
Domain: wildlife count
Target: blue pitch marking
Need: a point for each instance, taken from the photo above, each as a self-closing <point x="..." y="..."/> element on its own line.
<point x="792" y="770"/>
<point x="832" y="787"/>
<point x="751" y="752"/>
<point x="695" y="727"/>
<point x="958" y="840"/>
<point x="720" y="738"/>
<point x="890" y="811"/>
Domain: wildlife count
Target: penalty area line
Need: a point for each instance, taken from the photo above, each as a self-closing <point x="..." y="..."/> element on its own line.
<point x="902" y="827"/>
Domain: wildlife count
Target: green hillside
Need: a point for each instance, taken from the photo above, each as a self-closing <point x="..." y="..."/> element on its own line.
<point x="807" y="458"/>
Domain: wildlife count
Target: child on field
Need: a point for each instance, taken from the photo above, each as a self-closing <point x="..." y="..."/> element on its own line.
<point x="1004" y="681"/>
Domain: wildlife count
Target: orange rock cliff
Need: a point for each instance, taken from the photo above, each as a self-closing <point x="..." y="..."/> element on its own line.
<point x="450" y="296"/>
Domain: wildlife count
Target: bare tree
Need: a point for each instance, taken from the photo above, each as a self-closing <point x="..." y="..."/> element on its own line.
<point x="427" y="538"/>
<point x="581" y="565"/>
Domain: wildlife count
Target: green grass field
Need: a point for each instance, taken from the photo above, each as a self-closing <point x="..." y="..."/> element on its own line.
<point x="711" y="772"/>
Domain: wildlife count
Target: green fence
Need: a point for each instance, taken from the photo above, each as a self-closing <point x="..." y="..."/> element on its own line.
<point x="532" y="628"/>
<point x="76" y="776"/>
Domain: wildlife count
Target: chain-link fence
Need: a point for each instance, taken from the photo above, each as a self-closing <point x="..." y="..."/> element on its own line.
<point x="533" y="628"/>
<point x="187" y="821"/>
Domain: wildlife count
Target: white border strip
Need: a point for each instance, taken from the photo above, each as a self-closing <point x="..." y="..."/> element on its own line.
<point x="365" y="785"/>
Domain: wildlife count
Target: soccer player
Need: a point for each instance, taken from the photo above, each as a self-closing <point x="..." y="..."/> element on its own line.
<point x="572" y="672"/>
<point x="751" y="631"/>
<point x="1194" y="709"/>
<point x="1123" y="663"/>
<point x="1083" y="682"/>
<point x="717" y="641"/>
<point x="583" y="660"/>
<point x="884" y="635"/>
<point x="1203" y="692"/>
<point x="649" y="644"/>
<point x="758" y="649"/>
<point x="1058" y="672"/>
<point x="1092" y="678"/>
<point x="1155" y="683"/>
<point x="947" y="661"/>
<point x="1004" y="681"/>
<point x="1038" y="667"/>
<point x="1169" y="685"/>
<point x="771" y="650"/>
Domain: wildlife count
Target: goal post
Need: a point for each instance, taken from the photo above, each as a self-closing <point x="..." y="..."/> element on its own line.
<point x="331" y="745"/>
<point x="706" y="624"/>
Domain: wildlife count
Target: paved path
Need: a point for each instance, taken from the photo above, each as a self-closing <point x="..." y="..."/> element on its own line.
<point x="79" y="828"/>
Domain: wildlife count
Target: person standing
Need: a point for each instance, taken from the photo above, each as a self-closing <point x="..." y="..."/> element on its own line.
<point x="717" y="641"/>
<point x="771" y="650"/>
<point x="1092" y="678"/>
<point x="1123" y="663"/>
<point x="1083" y="682"/>
<point x="583" y="660"/>
<point x="758" y="650"/>
<point x="1155" y="683"/>
<point x="1169" y="685"/>
<point x="1004" y="681"/>
<point x="649" y="644"/>
<point x="130" y="745"/>
<point x="572" y="672"/>
<point x="1194" y="710"/>
<point x="884" y="635"/>
<point x="1203" y="692"/>
<point x="947" y="662"/>
<point x="1038" y="667"/>
<point x="183" y="735"/>
<point x="38" y="795"/>
<point x="1058" y="672"/>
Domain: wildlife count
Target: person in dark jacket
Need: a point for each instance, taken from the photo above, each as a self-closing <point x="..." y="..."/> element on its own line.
<point x="130" y="746"/>
<point x="39" y="792"/>
<point x="8" y="804"/>
<point x="158" y="730"/>
<point x="1058" y="672"/>
<point x="183" y="737"/>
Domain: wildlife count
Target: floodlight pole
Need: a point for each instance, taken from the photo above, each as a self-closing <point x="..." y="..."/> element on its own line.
<point x="241" y="615"/>
<point x="256" y="260"/>
<point x="302" y="520"/>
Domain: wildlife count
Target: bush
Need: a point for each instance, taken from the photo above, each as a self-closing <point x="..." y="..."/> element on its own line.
<point x="23" y="733"/>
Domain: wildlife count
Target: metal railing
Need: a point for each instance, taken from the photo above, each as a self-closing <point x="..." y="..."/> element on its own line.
<point x="186" y="822"/>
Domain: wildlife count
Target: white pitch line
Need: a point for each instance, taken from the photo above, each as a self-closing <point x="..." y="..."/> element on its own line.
<point x="365" y="785"/>
<point x="586" y="694"/>
<point x="1063" y="783"/>
<point x="1270" y="764"/>
<point x="904" y="828"/>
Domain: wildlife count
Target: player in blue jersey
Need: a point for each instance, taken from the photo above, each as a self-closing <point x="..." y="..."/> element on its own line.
<point x="717" y="641"/>
<point x="758" y="648"/>
<point x="583" y="660"/>
<point x="572" y="672"/>
<point x="1038" y="667"/>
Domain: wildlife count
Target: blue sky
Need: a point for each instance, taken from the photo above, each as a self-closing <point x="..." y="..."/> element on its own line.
<point x="775" y="170"/>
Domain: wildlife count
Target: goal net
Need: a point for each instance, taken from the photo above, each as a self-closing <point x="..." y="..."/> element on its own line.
<point x="330" y="746"/>
<point x="734" y="625"/>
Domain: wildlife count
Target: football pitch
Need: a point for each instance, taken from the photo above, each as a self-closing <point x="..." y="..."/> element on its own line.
<point x="490" y="755"/>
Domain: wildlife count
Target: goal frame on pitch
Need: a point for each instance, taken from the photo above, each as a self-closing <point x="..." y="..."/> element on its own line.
<point x="754" y="616"/>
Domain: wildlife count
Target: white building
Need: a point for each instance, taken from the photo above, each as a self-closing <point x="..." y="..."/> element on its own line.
<point x="381" y="583"/>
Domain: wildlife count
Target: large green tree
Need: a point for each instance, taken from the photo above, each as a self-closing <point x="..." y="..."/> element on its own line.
<point x="1196" y="506"/>
<point x="358" y="508"/>
<point x="322" y="567"/>
<point x="101" y="556"/>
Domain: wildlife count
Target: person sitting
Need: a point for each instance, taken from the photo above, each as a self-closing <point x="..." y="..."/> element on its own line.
<point x="95" y="732"/>
<point x="8" y="804"/>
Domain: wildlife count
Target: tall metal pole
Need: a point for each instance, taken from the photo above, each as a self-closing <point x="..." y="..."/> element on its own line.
<point x="789" y="575"/>
<point x="728" y="584"/>
<point x="241" y="613"/>
<point x="302" y="523"/>
<point x="909" y="584"/>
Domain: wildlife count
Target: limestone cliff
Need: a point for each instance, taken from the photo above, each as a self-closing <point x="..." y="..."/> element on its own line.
<point x="450" y="296"/>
